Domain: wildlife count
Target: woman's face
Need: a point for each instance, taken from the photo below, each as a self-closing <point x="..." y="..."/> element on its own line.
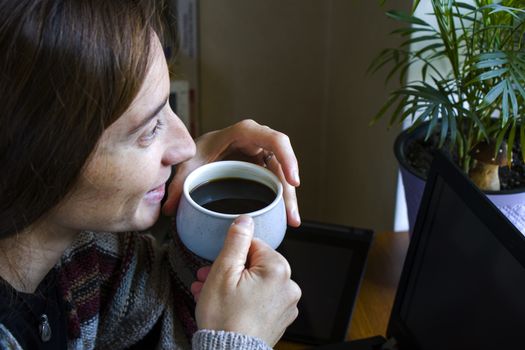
<point x="124" y="181"/>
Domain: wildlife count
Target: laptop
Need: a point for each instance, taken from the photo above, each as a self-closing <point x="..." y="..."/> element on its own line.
<point x="463" y="281"/>
<point x="328" y="263"/>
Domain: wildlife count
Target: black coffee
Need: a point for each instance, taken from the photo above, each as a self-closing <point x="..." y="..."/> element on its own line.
<point x="233" y="195"/>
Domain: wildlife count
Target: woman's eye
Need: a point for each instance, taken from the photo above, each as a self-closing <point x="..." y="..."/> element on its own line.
<point x="156" y="129"/>
<point x="150" y="135"/>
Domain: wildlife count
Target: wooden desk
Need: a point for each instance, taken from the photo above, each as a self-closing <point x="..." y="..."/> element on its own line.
<point x="378" y="289"/>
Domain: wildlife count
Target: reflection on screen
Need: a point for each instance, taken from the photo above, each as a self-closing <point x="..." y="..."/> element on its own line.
<point x="321" y="271"/>
<point x="466" y="291"/>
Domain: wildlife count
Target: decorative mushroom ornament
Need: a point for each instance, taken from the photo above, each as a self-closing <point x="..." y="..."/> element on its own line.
<point x="485" y="172"/>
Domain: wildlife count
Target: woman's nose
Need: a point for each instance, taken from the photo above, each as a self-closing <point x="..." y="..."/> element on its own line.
<point x="181" y="146"/>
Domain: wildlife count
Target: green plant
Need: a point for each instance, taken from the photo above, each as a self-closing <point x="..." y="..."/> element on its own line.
<point x="480" y="97"/>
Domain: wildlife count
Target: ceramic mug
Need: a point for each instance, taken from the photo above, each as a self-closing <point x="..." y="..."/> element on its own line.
<point x="203" y="231"/>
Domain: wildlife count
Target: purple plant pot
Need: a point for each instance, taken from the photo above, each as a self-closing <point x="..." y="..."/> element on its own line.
<point x="414" y="188"/>
<point x="511" y="203"/>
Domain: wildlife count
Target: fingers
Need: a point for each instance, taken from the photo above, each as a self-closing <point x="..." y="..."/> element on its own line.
<point x="276" y="153"/>
<point x="236" y="245"/>
<point x="203" y="273"/>
<point x="292" y="209"/>
<point x="271" y="140"/>
<point x="244" y="140"/>
<point x="289" y="195"/>
<point x="195" y="289"/>
<point x="255" y="297"/>
<point x="295" y="296"/>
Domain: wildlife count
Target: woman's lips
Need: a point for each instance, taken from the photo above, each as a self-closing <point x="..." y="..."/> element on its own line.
<point x="155" y="195"/>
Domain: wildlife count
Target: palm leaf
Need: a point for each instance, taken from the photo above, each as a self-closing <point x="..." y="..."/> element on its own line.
<point x="495" y="73"/>
<point x="416" y="4"/>
<point x="397" y="112"/>
<point x="492" y="55"/>
<point x="501" y="134"/>
<point x="505" y="102"/>
<point x="403" y="71"/>
<point x="460" y="142"/>
<point x="406" y="31"/>
<point x="433" y="122"/>
<point x="406" y="18"/>
<point x="417" y="39"/>
<point x="491" y="63"/>
<point x="483" y="42"/>
<point x="465" y="5"/>
<point x="497" y="8"/>
<point x="453" y="124"/>
<point x="522" y="139"/>
<point x="514" y="73"/>
<point x="385" y="56"/>
<point x="400" y="62"/>
<point x="494" y="93"/>
<point x="383" y="109"/>
<point x="444" y="129"/>
<point x="511" y="137"/>
<point x="410" y="112"/>
<point x="477" y="122"/>
<point x="513" y="99"/>
<point x="430" y="47"/>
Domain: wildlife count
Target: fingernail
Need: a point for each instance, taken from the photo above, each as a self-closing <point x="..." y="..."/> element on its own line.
<point x="243" y="220"/>
<point x="296" y="176"/>
<point x="296" y="215"/>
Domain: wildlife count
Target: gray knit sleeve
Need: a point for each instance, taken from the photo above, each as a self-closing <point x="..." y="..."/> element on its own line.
<point x="7" y="340"/>
<point x="220" y="340"/>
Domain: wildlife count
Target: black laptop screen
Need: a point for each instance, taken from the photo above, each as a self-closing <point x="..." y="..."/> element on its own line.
<point x="327" y="262"/>
<point x="464" y="289"/>
<point x="317" y="304"/>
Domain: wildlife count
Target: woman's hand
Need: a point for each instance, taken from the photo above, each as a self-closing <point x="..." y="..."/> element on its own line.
<point x="246" y="140"/>
<point x="248" y="289"/>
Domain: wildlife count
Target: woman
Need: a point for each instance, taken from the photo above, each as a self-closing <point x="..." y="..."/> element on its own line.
<point x="87" y="144"/>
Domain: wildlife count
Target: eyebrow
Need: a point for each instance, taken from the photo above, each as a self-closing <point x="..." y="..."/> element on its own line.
<point x="149" y="117"/>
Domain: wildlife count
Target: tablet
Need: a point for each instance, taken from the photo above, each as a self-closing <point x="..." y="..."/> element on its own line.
<point x="328" y="263"/>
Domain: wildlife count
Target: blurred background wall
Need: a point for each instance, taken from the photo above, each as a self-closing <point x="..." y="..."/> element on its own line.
<point x="299" y="66"/>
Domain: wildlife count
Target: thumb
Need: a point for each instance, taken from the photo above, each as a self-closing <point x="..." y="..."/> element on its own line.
<point x="237" y="243"/>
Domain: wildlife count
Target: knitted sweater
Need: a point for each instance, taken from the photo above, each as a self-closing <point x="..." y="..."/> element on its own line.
<point x="118" y="286"/>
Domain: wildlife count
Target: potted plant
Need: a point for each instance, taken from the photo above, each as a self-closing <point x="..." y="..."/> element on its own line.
<point x="469" y="100"/>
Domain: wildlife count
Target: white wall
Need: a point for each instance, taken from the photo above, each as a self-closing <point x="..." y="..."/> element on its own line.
<point x="424" y="11"/>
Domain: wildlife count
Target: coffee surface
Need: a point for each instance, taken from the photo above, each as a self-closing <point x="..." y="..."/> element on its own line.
<point x="233" y="195"/>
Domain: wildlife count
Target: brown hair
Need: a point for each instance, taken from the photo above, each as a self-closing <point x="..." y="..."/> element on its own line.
<point x="68" y="69"/>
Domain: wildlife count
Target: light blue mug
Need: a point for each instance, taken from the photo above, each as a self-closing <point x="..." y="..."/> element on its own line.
<point x="203" y="231"/>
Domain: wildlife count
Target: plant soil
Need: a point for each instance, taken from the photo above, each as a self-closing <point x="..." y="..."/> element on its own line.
<point x="419" y="157"/>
